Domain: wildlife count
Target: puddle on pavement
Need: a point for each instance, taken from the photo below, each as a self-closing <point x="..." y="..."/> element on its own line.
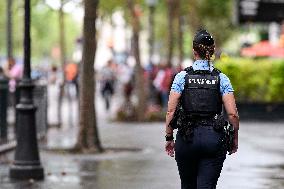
<point x="117" y="149"/>
<point x="83" y="172"/>
<point x="278" y="177"/>
<point x="99" y="174"/>
<point x="115" y="173"/>
<point x="86" y="174"/>
<point x="275" y="176"/>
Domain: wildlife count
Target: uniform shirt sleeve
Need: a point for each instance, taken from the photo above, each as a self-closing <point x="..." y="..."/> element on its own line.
<point x="178" y="83"/>
<point x="225" y="84"/>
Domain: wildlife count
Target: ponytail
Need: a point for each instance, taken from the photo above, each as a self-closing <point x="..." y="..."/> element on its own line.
<point x="204" y="51"/>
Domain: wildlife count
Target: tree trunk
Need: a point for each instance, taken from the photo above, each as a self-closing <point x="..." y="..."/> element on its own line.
<point x="151" y="33"/>
<point x="139" y="72"/>
<point x="9" y="31"/>
<point x="180" y="35"/>
<point x="62" y="60"/>
<point x="194" y="21"/>
<point x="62" y="35"/>
<point x="170" y="31"/>
<point x="88" y="137"/>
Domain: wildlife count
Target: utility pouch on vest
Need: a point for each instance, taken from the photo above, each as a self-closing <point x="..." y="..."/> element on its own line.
<point x="201" y="95"/>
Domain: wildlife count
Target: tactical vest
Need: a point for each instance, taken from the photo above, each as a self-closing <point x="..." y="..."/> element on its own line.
<point x="201" y="96"/>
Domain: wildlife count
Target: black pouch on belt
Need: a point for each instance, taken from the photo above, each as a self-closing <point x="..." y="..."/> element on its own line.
<point x="229" y="137"/>
<point x="219" y="123"/>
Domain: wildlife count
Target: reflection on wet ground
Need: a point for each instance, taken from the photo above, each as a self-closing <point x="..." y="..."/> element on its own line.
<point x="259" y="163"/>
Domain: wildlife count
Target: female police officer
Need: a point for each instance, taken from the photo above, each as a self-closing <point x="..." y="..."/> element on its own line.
<point x="202" y="90"/>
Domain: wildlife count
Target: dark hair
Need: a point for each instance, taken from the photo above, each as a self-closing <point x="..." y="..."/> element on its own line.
<point x="204" y="44"/>
<point x="53" y="68"/>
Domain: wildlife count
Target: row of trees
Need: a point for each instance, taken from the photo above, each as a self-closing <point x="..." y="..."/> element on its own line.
<point x="201" y="13"/>
<point x="178" y="20"/>
<point x="49" y="28"/>
<point x="45" y="29"/>
<point x="53" y="28"/>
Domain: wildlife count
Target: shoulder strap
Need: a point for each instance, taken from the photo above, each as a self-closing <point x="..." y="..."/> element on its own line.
<point x="189" y="70"/>
<point x="215" y="72"/>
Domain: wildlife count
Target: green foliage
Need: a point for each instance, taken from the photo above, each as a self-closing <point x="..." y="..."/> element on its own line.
<point x="107" y="7"/>
<point x="187" y="44"/>
<point x="255" y="80"/>
<point x="44" y="29"/>
<point x="44" y="34"/>
<point x="17" y="22"/>
<point x="214" y="15"/>
<point x="2" y="27"/>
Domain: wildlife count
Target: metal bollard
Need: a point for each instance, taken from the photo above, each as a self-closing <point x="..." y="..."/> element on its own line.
<point x="4" y="86"/>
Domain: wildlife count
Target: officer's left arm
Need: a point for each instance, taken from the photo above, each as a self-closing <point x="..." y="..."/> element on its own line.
<point x="232" y="112"/>
<point x="229" y="102"/>
<point x="172" y="104"/>
<point x="228" y="98"/>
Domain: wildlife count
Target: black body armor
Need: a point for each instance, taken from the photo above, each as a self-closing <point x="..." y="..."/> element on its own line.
<point x="201" y="96"/>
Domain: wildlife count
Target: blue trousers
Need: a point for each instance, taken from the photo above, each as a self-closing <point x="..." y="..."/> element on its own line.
<point x="200" y="161"/>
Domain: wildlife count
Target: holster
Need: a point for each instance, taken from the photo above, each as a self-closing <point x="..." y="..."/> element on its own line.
<point x="221" y="125"/>
<point x="229" y="137"/>
<point x="219" y="122"/>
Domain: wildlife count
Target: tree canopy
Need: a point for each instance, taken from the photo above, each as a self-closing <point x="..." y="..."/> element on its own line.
<point x="214" y="15"/>
<point x="44" y="29"/>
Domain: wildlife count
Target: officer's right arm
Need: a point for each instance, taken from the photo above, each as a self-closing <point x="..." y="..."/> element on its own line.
<point x="172" y="104"/>
<point x="175" y="94"/>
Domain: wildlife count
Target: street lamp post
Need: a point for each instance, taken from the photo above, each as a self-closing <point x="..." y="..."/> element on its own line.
<point x="27" y="162"/>
<point x="152" y="5"/>
<point x="9" y="30"/>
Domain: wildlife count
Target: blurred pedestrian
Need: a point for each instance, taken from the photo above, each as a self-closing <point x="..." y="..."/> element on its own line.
<point x="107" y="83"/>
<point x="152" y="71"/>
<point x="163" y="82"/>
<point x="71" y="77"/>
<point x="127" y="80"/>
<point x="2" y="75"/>
<point x="200" y="146"/>
<point x="14" y="71"/>
<point x="55" y="80"/>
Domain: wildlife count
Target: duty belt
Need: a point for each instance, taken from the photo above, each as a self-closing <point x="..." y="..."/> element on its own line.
<point x="203" y="121"/>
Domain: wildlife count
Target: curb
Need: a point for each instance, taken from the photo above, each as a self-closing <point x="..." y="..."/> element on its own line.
<point x="4" y="148"/>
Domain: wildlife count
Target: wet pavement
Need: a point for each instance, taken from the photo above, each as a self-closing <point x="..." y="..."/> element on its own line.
<point x="138" y="161"/>
<point x="142" y="163"/>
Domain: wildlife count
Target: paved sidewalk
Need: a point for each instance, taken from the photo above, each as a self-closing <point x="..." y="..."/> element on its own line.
<point x="143" y="164"/>
<point x="259" y="163"/>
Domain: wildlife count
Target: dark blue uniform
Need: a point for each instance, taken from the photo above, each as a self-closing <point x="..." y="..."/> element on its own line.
<point x="200" y="160"/>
